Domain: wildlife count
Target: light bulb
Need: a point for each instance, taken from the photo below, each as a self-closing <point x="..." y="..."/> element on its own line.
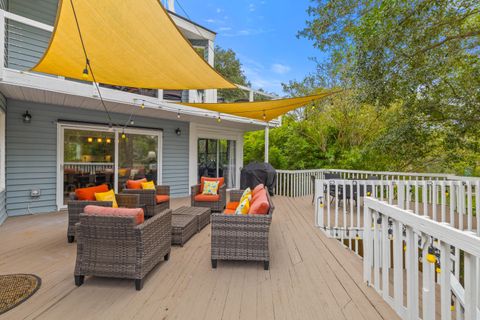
<point x="85" y="74"/>
<point x="90" y="139"/>
<point x="132" y="122"/>
<point x="178" y="115"/>
<point x="219" y="119"/>
<point x="99" y="140"/>
<point x="142" y="106"/>
<point x="124" y="135"/>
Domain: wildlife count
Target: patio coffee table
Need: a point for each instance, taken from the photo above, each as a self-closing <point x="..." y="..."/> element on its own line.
<point x="184" y="226"/>
<point x="202" y="214"/>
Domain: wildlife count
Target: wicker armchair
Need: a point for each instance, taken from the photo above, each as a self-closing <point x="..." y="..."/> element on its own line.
<point x="241" y="237"/>
<point x="75" y="208"/>
<point x="113" y="246"/>
<point x="215" y="206"/>
<point x="148" y="199"/>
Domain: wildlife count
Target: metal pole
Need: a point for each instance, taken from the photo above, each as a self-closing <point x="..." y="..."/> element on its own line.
<point x="267" y="129"/>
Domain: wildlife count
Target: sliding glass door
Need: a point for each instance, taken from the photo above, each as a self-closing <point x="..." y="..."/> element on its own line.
<point x="90" y="156"/>
<point x="216" y="158"/>
<point x="138" y="158"/>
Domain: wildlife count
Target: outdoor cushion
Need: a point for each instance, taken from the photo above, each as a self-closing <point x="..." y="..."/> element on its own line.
<point x="243" y="207"/>
<point x="221" y="181"/>
<point x="229" y="211"/>
<point x="260" y="205"/>
<point x="148" y="185"/>
<point x="137" y="213"/>
<point x="135" y="184"/>
<point x="207" y="198"/>
<point x="261" y="192"/>
<point x="246" y="194"/>
<point x="257" y="188"/>
<point x="89" y="193"/>
<point x="210" y="187"/>
<point x="107" y="196"/>
<point x="161" y="198"/>
<point x="232" y="205"/>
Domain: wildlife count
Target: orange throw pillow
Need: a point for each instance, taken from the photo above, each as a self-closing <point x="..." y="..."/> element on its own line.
<point x="135" y="184"/>
<point x="260" y="205"/>
<point x="137" y="213"/>
<point x="220" y="180"/>
<point x="89" y="193"/>
<point x="257" y="188"/>
<point x="232" y="205"/>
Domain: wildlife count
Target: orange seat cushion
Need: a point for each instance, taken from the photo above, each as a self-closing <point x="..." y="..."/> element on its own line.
<point x="207" y="198"/>
<point x="135" y="184"/>
<point x="162" y="198"/>
<point x="260" y="204"/>
<point x="229" y="211"/>
<point x="89" y="193"/>
<point x="232" y="205"/>
<point x="257" y="189"/>
<point x="137" y="213"/>
<point x="221" y="181"/>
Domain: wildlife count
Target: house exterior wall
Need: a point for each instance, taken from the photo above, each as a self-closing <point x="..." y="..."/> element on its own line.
<point x="31" y="152"/>
<point x="3" y="209"/>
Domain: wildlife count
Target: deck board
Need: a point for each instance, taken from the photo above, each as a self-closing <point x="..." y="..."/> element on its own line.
<point x="310" y="276"/>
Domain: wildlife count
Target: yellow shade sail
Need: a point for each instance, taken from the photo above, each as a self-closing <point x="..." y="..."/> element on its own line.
<point x="128" y="43"/>
<point x="261" y="110"/>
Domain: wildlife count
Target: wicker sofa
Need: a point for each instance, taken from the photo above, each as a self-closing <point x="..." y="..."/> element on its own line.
<point x="75" y="208"/>
<point x="215" y="206"/>
<point x="113" y="246"/>
<point x="148" y="199"/>
<point x="241" y="237"/>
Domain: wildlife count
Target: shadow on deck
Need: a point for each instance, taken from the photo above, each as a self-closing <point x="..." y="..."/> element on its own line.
<point x="310" y="276"/>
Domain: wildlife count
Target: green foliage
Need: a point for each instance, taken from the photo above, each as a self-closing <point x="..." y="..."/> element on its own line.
<point x="229" y="66"/>
<point x="412" y="71"/>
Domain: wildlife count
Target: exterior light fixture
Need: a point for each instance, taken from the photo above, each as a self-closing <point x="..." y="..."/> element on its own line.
<point x="90" y="140"/>
<point x="27" y="117"/>
<point x="124" y="136"/>
<point x="108" y="140"/>
<point x="99" y="140"/>
<point x="178" y="131"/>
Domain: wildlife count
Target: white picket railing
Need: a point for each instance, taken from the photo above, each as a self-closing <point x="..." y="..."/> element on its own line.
<point x="298" y="183"/>
<point x="409" y="238"/>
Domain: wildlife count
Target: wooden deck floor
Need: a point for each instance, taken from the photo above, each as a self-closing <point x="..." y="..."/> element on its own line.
<point x="310" y="276"/>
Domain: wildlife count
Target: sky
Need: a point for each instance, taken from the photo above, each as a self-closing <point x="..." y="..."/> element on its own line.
<point x="263" y="34"/>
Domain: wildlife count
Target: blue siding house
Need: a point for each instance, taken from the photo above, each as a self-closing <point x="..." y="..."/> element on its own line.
<point x="54" y="136"/>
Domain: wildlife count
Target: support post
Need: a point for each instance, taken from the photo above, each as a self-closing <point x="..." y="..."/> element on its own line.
<point x="267" y="134"/>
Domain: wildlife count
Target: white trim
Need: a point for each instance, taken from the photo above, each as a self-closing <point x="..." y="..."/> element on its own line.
<point x="91" y="127"/>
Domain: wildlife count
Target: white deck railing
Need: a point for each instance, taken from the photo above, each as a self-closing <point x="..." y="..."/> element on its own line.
<point x="410" y="238"/>
<point x="298" y="183"/>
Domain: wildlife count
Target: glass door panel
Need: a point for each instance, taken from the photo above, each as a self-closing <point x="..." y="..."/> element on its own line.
<point x="216" y="158"/>
<point x="227" y="162"/>
<point x="207" y="158"/>
<point x="88" y="159"/>
<point x="137" y="157"/>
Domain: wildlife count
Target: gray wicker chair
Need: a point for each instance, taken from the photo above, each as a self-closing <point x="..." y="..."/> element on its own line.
<point x="113" y="246"/>
<point x="148" y="199"/>
<point x="75" y="207"/>
<point x="215" y="206"/>
<point x="241" y="237"/>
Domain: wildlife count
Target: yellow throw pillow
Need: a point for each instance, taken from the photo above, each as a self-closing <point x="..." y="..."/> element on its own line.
<point x="243" y="206"/>
<point x="107" y="196"/>
<point x="210" y="187"/>
<point x="148" y="185"/>
<point x="246" y="193"/>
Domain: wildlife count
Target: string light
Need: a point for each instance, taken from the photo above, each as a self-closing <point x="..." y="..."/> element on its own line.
<point x="142" y="106"/>
<point x="99" y="140"/>
<point x="90" y="139"/>
<point x="264" y="116"/>
<point x="132" y="122"/>
<point x="85" y="74"/>
<point x="178" y="114"/>
<point x="219" y="119"/>
<point x="124" y="136"/>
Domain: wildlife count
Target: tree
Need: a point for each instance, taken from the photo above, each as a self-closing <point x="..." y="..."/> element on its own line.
<point x="229" y="66"/>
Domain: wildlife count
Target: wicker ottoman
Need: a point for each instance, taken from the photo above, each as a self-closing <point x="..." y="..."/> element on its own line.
<point x="184" y="226"/>
<point x="202" y="215"/>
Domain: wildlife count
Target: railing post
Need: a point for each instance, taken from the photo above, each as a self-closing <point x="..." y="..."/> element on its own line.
<point x="470" y="287"/>
<point x="367" y="245"/>
<point x="3" y="44"/>
<point x="445" y="275"/>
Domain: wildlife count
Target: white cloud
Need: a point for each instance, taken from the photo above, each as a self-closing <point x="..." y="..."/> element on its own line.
<point x="280" y="68"/>
<point x="247" y="32"/>
<point x="219" y="10"/>
<point x="224" y="29"/>
<point x="251" y="7"/>
<point x="258" y="76"/>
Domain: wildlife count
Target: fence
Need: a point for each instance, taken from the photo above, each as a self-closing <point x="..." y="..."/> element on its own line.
<point x="298" y="183"/>
<point x="396" y="240"/>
